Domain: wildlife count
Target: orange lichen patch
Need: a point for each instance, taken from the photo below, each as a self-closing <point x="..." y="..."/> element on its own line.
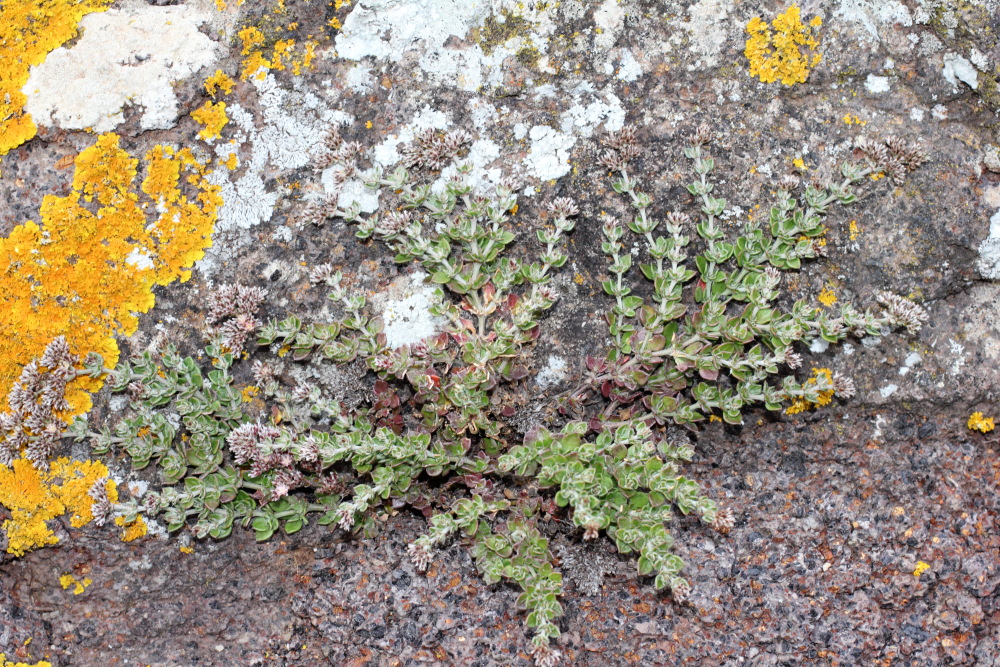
<point x="282" y="49"/>
<point x="977" y="422"/>
<point x="90" y="267"/>
<point x="308" y="56"/>
<point x="231" y="162"/>
<point x="219" y="81"/>
<point x="34" y="497"/>
<point x="77" y="478"/>
<point x="825" y="397"/>
<point x="29" y="31"/>
<point x="213" y="116"/>
<point x="775" y="51"/>
<point x="132" y="531"/>
<point x="4" y="662"/>
<point x="251" y="38"/>
<point x="255" y="65"/>
<point x="283" y="55"/>
<point x="79" y="585"/>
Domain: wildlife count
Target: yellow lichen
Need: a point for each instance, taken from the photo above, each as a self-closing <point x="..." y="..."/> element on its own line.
<point x="34" y="497"/>
<point x="79" y="585"/>
<point x="920" y="568"/>
<point x="231" y="162"/>
<point x="283" y="54"/>
<point x="775" y="51"/>
<point x="251" y="38"/>
<point x="29" y="31"/>
<point x="823" y="398"/>
<point x="77" y="479"/>
<point x="132" y="531"/>
<point x="979" y="423"/>
<point x="219" y="81"/>
<point x="827" y="297"/>
<point x="89" y="268"/>
<point x="308" y="56"/>
<point x="255" y="65"/>
<point x="853" y="231"/>
<point x="282" y="49"/>
<point x="187" y="550"/>
<point x="4" y="662"/>
<point x="213" y="116"/>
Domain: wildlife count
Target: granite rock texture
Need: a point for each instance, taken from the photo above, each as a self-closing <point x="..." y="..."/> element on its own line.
<point x="836" y="509"/>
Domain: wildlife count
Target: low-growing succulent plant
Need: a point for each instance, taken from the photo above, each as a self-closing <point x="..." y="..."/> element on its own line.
<point x="678" y="358"/>
<point x="706" y="343"/>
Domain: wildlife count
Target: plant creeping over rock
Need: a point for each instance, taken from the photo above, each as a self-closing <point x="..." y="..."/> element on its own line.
<point x="437" y="433"/>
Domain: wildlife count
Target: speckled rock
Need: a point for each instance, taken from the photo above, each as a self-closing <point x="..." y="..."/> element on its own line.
<point x="836" y="509"/>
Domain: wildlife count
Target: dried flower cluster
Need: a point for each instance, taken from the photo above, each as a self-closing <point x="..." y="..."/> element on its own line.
<point x="235" y="306"/>
<point x="893" y="157"/>
<point x="434" y="150"/>
<point x="341" y="155"/>
<point x="35" y="422"/>
<point x="35" y="488"/>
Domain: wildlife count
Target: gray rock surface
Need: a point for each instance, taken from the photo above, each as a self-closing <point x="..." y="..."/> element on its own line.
<point x="835" y="508"/>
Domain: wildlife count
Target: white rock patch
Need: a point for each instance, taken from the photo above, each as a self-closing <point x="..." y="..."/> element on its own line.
<point x="553" y="373"/>
<point x="877" y="84"/>
<point x="390" y="28"/>
<point x="630" y="69"/>
<point x="912" y="359"/>
<point x="874" y="14"/>
<point x="292" y="127"/>
<point x="888" y="390"/>
<point x="989" y="251"/>
<point x="709" y="20"/>
<point x="609" y="18"/>
<point x="548" y="157"/>
<point x="583" y="119"/>
<point x="957" y="68"/>
<point x="130" y="55"/>
<point x="406" y="311"/>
